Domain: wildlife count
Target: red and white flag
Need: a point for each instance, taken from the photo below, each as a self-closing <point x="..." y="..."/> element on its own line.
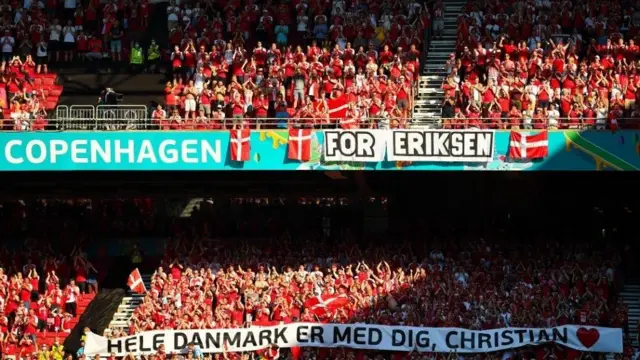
<point x="273" y="353"/>
<point x="325" y="305"/>
<point x="522" y="146"/>
<point x="338" y="107"/>
<point x="299" y="144"/>
<point x="240" y="144"/>
<point x="135" y="282"/>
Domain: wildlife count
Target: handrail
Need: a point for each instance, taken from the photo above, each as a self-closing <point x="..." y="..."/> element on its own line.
<point x="143" y="124"/>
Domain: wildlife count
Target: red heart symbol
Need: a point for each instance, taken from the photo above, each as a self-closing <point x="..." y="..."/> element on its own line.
<point x="588" y="337"/>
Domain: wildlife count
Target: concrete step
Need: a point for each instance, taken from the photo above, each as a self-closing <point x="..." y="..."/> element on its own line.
<point x="428" y="114"/>
<point x="431" y="84"/>
<point x="435" y="70"/>
<point x="440" y="57"/>
<point x="631" y="296"/>
<point x="428" y="111"/>
<point x="447" y="46"/>
<point x="430" y="77"/>
<point x="447" y="37"/>
<point x="429" y="104"/>
<point x="430" y="92"/>
<point x="126" y="309"/>
<point x="121" y="323"/>
<point x="430" y="95"/>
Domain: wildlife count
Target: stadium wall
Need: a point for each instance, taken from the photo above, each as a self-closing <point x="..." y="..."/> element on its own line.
<point x="270" y="150"/>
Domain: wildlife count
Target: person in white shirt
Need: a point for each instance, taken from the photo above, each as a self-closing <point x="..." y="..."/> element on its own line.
<point x="69" y="41"/>
<point x="303" y="23"/>
<point x="8" y="42"/>
<point x="72" y="291"/>
<point x="553" y="115"/>
<point x="55" y="32"/>
<point x="172" y="15"/>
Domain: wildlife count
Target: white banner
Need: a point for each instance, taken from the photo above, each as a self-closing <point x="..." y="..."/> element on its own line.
<point x="409" y="145"/>
<point x="441" y="145"/>
<point x="354" y="145"/>
<point x="358" y="336"/>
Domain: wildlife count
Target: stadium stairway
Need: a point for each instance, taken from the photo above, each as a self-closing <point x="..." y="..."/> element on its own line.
<point x="193" y="203"/>
<point x="48" y="338"/>
<point x="631" y="296"/>
<point x="95" y="317"/>
<point x="429" y="97"/>
<point x="128" y="304"/>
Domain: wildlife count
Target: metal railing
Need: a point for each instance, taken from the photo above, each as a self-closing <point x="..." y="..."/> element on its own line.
<point x="102" y="117"/>
<point x="106" y="119"/>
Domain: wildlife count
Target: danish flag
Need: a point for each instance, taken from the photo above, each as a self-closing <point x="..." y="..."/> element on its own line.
<point x="324" y="305"/>
<point x="135" y="282"/>
<point x="299" y="144"/>
<point x="338" y="107"/>
<point x="522" y="146"/>
<point x="273" y="353"/>
<point x="240" y="144"/>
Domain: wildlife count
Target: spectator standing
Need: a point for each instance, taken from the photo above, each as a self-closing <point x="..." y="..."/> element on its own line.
<point x="80" y="352"/>
<point x="57" y="350"/>
<point x="282" y="31"/>
<point x="136" y="58"/>
<point x="159" y="115"/>
<point x="68" y="41"/>
<point x="116" y="41"/>
<point x="153" y="56"/>
<point x="82" y="45"/>
<point x="55" y="33"/>
<point x="8" y="42"/>
<point x="194" y="350"/>
<point x="95" y="48"/>
<point x="190" y="94"/>
<point x="299" y="83"/>
<point x="71" y="293"/>
<point x="177" y="57"/>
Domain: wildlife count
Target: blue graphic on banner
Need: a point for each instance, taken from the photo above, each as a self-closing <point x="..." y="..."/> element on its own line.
<point x="150" y="150"/>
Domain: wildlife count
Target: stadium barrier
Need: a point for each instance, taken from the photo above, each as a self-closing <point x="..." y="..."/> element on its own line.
<point x="101" y="117"/>
<point x="137" y="117"/>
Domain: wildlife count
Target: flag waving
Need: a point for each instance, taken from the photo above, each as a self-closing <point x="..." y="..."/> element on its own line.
<point x="240" y="145"/>
<point x="338" y="107"/>
<point x="135" y="282"/>
<point x="324" y="305"/>
<point x="299" y="144"/>
<point x="523" y="146"/>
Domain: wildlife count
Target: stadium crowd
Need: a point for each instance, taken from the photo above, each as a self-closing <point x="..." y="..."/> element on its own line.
<point x="300" y="55"/>
<point x="257" y="261"/>
<point x="31" y="306"/>
<point x="47" y="280"/>
<point x="36" y="34"/>
<point x="472" y="283"/>
<point x="544" y="64"/>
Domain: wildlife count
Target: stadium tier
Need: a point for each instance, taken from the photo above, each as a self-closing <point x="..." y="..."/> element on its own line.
<point x="536" y="65"/>
<point x="331" y="277"/>
<point x="364" y="64"/>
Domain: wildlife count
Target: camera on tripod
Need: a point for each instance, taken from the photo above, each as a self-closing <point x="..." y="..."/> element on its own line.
<point x="110" y="97"/>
